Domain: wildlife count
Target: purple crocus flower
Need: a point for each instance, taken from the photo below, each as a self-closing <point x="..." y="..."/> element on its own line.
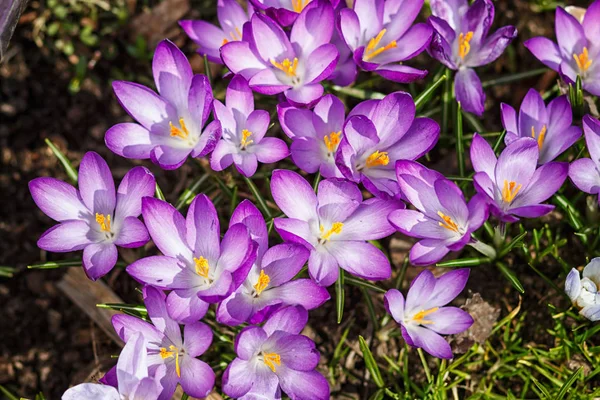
<point x="269" y="284"/>
<point x="243" y="140"/>
<point x="443" y="220"/>
<point x="295" y="66"/>
<point x="461" y="43"/>
<point x="94" y="218"/>
<point x="345" y="71"/>
<point x="194" y="265"/>
<point x="577" y="51"/>
<point x="550" y="126"/>
<point x="284" y="12"/>
<point x="315" y="134"/>
<point x="423" y="317"/>
<point x="334" y="225"/>
<point x="377" y="133"/>
<point x="167" y="350"/>
<point x="209" y="37"/>
<point x="511" y="183"/>
<point x="132" y="374"/>
<point x="382" y="36"/>
<point x="170" y="125"/>
<point x="276" y="358"/>
<point x="585" y="172"/>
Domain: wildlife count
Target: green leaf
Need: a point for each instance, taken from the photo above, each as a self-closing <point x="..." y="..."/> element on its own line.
<point x="567" y="385"/>
<point x="363" y="284"/>
<point x="207" y="70"/>
<point x="372" y="366"/>
<point x="358" y="93"/>
<point x="464" y="262"/>
<point x="189" y="193"/>
<point x="7" y="393"/>
<point x="510" y="276"/>
<point x="446" y="99"/>
<point x="516" y="241"/>
<point x="378" y="395"/>
<point x="513" y="77"/>
<point x="7" y="272"/>
<point x="56" y="264"/>
<point x="460" y="146"/>
<point x="40" y="396"/>
<point x="339" y="296"/>
<point x="185" y="396"/>
<point x="71" y="172"/>
<point x="132" y="309"/>
<point x="259" y="198"/>
<point x="426" y="95"/>
<point x="159" y="193"/>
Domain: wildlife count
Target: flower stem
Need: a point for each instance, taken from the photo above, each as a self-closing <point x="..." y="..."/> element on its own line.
<point x="425" y="366"/>
<point x="483" y="248"/>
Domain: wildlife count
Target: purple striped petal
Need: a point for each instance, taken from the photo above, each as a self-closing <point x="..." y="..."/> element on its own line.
<point x="420" y="138"/>
<point x="202" y="228"/>
<point x="199" y="99"/>
<point x="249" y="341"/>
<point x="400" y="73"/>
<point x="208" y="37"/>
<point x="99" y="259"/>
<point x="172" y="73"/>
<point x="96" y="184"/>
<point x="130" y="140"/>
<point x="545" y="50"/>
<point x="394" y="304"/>
<point x="271" y="150"/>
<point x="303" y="384"/>
<point x="162" y="272"/>
<point x="585" y="176"/>
<point x="361" y="259"/>
<point x="57" y="199"/>
<point x="447" y="287"/>
<point x="282" y="262"/>
<point x="132" y="233"/>
<point x="290" y="319"/>
<point x="137" y="183"/>
<point x="126" y="326"/>
<point x="428" y="252"/>
<point x="369" y="221"/>
<point x="293" y="195"/>
<point x="305" y="96"/>
<point x="197" y="378"/>
<point x="450" y="321"/>
<point x="313" y="27"/>
<point x="238" y="379"/>
<point x="569" y="34"/>
<point x="429" y="341"/>
<point x="483" y="157"/>
<point x="155" y="301"/>
<point x="302" y="292"/>
<point x="167" y="227"/>
<point x="185" y="307"/>
<point x="67" y="236"/>
<point x="197" y="338"/>
<point x="469" y="92"/>
<point x="240" y="59"/>
<point x="297" y="352"/>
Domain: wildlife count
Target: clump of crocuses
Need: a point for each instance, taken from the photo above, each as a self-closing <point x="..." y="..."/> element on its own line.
<point x="424" y="316"/>
<point x="584" y="292"/>
<point x="461" y="43"/>
<point x="95" y="218"/>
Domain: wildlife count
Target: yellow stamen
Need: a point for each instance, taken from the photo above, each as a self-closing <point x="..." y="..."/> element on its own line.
<point x="583" y="60"/>
<point x="335" y="228"/>
<point x="224" y="42"/>
<point x="541" y="136"/>
<point x="378" y="158"/>
<point x="245" y="136"/>
<point x="419" y="317"/>
<point x="332" y="140"/>
<point x="448" y="222"/>
<point x="235" y="36"/>
<point x="271" y="359"/>
<point x="262" y="283"/>
<point x="181" y="132"/>
<point x="287" y="66"/>
<point x="463" y="44"/>
<point x="373" y="51"/>
<point x="510" y="190"/>
<point x="103" y="221"/>
<point x="202" y="266"/>
<point x="298" y="5"/>
<point x="164" y="353"/>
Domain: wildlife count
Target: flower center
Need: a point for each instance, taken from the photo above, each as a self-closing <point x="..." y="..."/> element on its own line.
<point x="235" y="36"/>
<point x="372" y="49"/>
<point x="419" y="317"/>
<point x="271" y="359"/>
<point x="174" y="352"/>
<point x="510" y="190"/>
<point x="378" y="158"/>
<point x="583" y="60"/>
<point x="541" y="136"/>
<point x="336" y="228"/>
<point x="202" y="267"/>
<point x="448" y="222"/>
<point x="181" y="132"/>
<point x="103" y="221"/>
<point x="262" y="283"/>
<point x="332" y="140"/>
<point x="246" y="139"/>
<point x="298" y="5"/>
<point x="463" y="44"/>
<point x="287" y="66"/>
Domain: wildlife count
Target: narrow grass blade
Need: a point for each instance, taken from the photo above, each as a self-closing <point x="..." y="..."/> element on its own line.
<point x="370" y="362"/>
<point x="207" y="70"/>
<point x="513" y="77"/>
<point x="358" y="93"/>
<point x="446" y="99"/>
<point x="7" y="393"/>
<point x="131" y="308"/>
<point x="259" y="198"/>
<point x="340" y="296"/>
<point x="464" y="262"/>
<point x="71" y="172"/>
<point x="159" y="193"/>
<point x="189" y="193"/>
<point x="567" y="385"/>
<point x="426" y="95"/>
<point x="316" y="181"/>
<point x="56" y="264"/>
<point x="363" y="284"/>
<point x="515" y="242"/>
<point x="7" y="272"/>
<point x="460" y="146"/>
<point x="510" y="276"/>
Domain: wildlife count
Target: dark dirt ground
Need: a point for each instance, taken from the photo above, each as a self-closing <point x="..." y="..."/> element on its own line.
<point x="47" y="343"/>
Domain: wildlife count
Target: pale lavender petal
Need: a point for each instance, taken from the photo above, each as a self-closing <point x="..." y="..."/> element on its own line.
<point x="197" y="378"/>
<point x="67" y="236"/>
<point x="155" y="301"/>
<point x="449" y="321"/>
<point x="429" y="341"/>
<point x="302" y="292"/>
<point x="337" y="199"/>
<point x="509" y="118"/>
<point x="290" y="319"/>
<point x="267" y="82"/>
<point x="137" y="183"/>
<point x="428" y="252"/>
<point x="369" y="221"/>
<point x="185" y="307"/>
<point x="305" y="95"/>
<point x="517" y="163"/>
<point x="532" y="114"/>
<point x="394" y="304"/>
<point x="469" y="92"/>
<point x="493" y="46"/>
<point x="202" y="228"/>
<point x="282" y="262"/>
<point x="130" y="140"/>
<point x="96" y="184"/>
<point x="197" y="338"/>
<point x="591" y="128"/>
<point x="545" y="50"/>
<point x="556" y="143"/>
<point x="569" y="33"/>
<point x="370" y="15"/>
<point x="296" y="122"/>
<point x="172" y="73"/>
<point x="208" y="37"/>
<point x="483" y="157"/>
<point x="400" y="73"/>
<point x="323" y="267"/>
<point x="591" y="312"/>
<point x="447" y="287"/>
<point x="246" y="213"/>
<point x="99" y="259"/>
<point x="361" y="259"/>
<point x="248" y="341"/>
<point x="313" y="27"/>
<point x="271" y="41"/>
<point x="132" y="233"/>
<point x="235" y="248"/>
<point x="232" y="16"/>
<point x="401" y="16"/>
<point x="590" y="21"/>
<point x="293" y="195"/>
<point x="361" y="134"/>
<point x="168" y="157"/>
<point x="222" y="156"/>
<point x="321" y="63"/>
<point x="303" y="384"/>
<point x="161" y="271"/>
<point x="238" y="378"/>
<point x="415" y="224"/>
<point x="57" y="199"/>
<point x="167" y="227"/>
<point x="297" y="352"/>
<point x="585" y="175"/>
<point x="307" y="154"/>
<point x="271" y="150"/>
<point x="239" y="95"/>
<point x="295" y="231"/>
<point x="350" y="28"/>
<point x="245" y="163"/>
<point x="420" y="138"/>
<point x="258" y="122"/>
<point x="573" y="284"/>
<point x="91" y="391"/>
<point x="199" y="99"/>
<point x="127" y="326"/>
<point x="240" y="59"/>
<point x="411" y="44"/>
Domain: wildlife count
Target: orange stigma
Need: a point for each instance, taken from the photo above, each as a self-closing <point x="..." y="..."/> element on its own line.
<point x="463" y="44"/>
<point x="181" y="132"/>
<point x="583" y="60"/>
<point x="372" y="50"/>
<point x="510" y="190"/>
<point x="103" y="221"/>
<point x="541" y="136"/>
<point x="298" y="5"/>
<point x="202" y="267"/>
<point x="287" y="66"/>
<point x="419" y="317"/>
<point x="262" y="283"/>
<point x="332" y="140"/>
<point x="271" y="359"/>
<point x="448" y="222"/>
<point x="336" y="228"/>
<point x="377" y="158"/>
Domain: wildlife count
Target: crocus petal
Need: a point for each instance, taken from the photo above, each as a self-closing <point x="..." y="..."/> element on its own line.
<point x="400" y="73"/>
<point x="207" y="36"/>
<point x="246" y="213"/>
<point x="545" y="50"/>
<point x="590" y="21"/>
<point x="428" y="252"/>
<point x="271" y="150"/>
<point x="237" y="379"/>
<point x="270" y="40"/>
<point x="370" y="15"/>
<point x="132" y="233"/>
<point x="411" y="44"/>
<point x="591" y="312"/>
<point x="172" y="73"/>
<point x="369" y="221"/>
<point x="57" y="199"/>
<point x="295" y="231"/>
<point x="185" y="307"/>
<point x="422" y="135"/>
<point x="208" y="140"/>
<point x="509" y="118"/>
<point x="282" y="262"/>
<point x="430" y="341"/>
<point x="585" y="176"/>
<point x="248" y="341"/>
<point x="235" y="248"/>
<point x="91" y="391"/>
<point x="155" y="301"/>
<point x="202" y="228"/>
<point x="323" y="267"/>
<point x="266" y="82"/>
<point x="147" y="388"/>
<point x="493" y="46"/>
<point x="231" y="15"/>
<point x="303" y="292"/>
<point x="303" y="384"/>
<point x="591" y="128"/>
<point x="532" y="211"/>
<point x="293" y="195"/>
<point x="258" y="122"/>
<point x="393" y="116"/>
<point x="469" y="92"/>
<point x="305" y="95"/>
<point x="161" y="271"/>
<point x="483" y="157"/>
<point x="478" y="211"/>
<point x="546" y="180"/>
<point x="321" y="63"/>
<point x="350" y="28"/>
<point x="361" y="259"/>
<point x="296" y="122"/>
<point x="168" y="157"/>
<point x="569" y="33"/>
<point x="96" y="184"/>
<point x="313" y="27"/>
<point x="452" y="200"/>
<point x="305" y="153"/>
<point x="360" y="132"/>
<point x="337" y="200"/>
<point x="239" y="96"/>
<point x="167" y="228"/>
<point x="573" y="284"/>
<point x="199" y="99"/>
<point x="99" y="259"/>
<point x="67" y="236"/>
<point x="417" y="185"/>
<point x="450" y="321"/>
<point x="533" y="114"/>
<point x="517" y="163"/>
<point x="127" y="326"/>
<point x="197" y="338"/>
<point x="415" y="224"/>
<point x="137" y="183"/>
<point x="297" y="352"/>
<point x="240" y="59"/>
<point x="130" y="140"/>
<point x="197" y="378"/>
<point x="394" y="304"/>
<point x="290" y="319"/>
<point x="132" y="364"/>
<point x="401" y="17"/>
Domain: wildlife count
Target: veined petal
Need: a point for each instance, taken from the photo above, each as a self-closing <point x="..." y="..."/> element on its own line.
<point x="99" y="259"/>
<point x="303" y="384"/>
<point x="313" y="27"/>
<point x="197" y="338"/>
<point x="57" y="199"/>
<point x="361" y="259"/>
<point x="203" y="229"/>
<point x="167" y="228"/>
<point x="238" y="378"/>
<point x="155" y="301"/>
<point x="569" y="34"/>
<point x="293" y="195"/>
<point x="483" y="157"/>
<point x="248" y="341"/>
<point x="197" y="377"/>
<point x="137" y="183"/>
<point x="469" y="92"/>
<point x="96" y="184"/>
<point x="67" y="236"/>
<point x="369" y="221"/>
<point x="130" y="140"/>
<point x="394" y="304"/>
<point x="290" y="319"/>
<point x="573" y="284"/>
<point x="449" y="321"/>
<point x="239" y="95"/>
<point x="271" y="41"/>
<point x="208" y="37"/>
<point x="132" y="233"/>
<point x="240" y="59"/>
<point x="545" y="50"/>
<point x="323" y="267"/>
<point x="584" y="174"/>
<point x="428" y="252"/>
<point x="172" y="73"/>
<point x="429" y="341"/>
<point x="185" y="307"/>
<point x="591" y="128"/>
<point x="447" y="287"/>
